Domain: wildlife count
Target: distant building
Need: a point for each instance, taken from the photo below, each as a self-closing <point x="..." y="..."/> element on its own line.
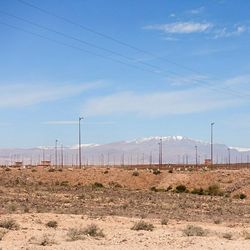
<point x="45" y="164"/>
<point x="18" y="164"/>
<point x="208" y="162"/>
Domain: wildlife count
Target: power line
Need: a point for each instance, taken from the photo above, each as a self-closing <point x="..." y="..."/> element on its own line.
<point x="197" y="82"/>
<point x="111" y="38"/>
<point x="73" y="46"/>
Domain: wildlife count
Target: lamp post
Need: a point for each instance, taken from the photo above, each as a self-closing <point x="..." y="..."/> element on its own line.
<point x="56" y="152"/>
<point x="212" y="128"/>
<point x="229" y="156"/>
<point x="80" y="144"/>
<point x="196" y="155"/>
<point x="160" y="152"/>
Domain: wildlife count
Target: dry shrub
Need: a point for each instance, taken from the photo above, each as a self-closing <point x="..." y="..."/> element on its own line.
<point x="227" y="236"/>
<point x="75" y="234"/>
<point x="192" y="230"/>
<point x="90" y="230"/>
<point x="142" y="225"/>
<point x="2" y="233"/>
<point x="9" y="224"/>
<point x="93" y="231"/>
<point x="164" y="221"/>
<point x="52" y="224"/>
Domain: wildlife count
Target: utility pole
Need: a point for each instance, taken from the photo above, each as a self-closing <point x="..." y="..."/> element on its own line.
<point x="196" y="155"/>
<point x="212" y="128"/>
<point x="80" y="144"/>
<point x="56" y="153"/>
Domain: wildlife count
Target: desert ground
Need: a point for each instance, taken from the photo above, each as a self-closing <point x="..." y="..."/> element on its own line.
<point x="126" y="208"/>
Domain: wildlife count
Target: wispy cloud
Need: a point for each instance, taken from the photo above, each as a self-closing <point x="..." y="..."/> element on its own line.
<point x="72" y="122"/>
<point x="181" y="27"/>
<point x="226" y="32"/>
<point x="159" y="103"/>
<point x="196" y="11"/>
<point x="20" y="95"/>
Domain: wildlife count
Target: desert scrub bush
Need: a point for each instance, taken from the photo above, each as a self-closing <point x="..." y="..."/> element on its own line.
<point x="10" y="224"/>
<point x="2" y="233"/>
<point x="155" y="189"/>
<point x="46" y="240"/>
<point x="33" y="170"/>
<point x="142" y="225"/>
<point x="74" y="234"/>
<point x="246" y="235"/>
<point x="164" y="221"/>
<point x="64" y="183"/>
<point x="51" y="170"/>
<point x="97" y="185"/>
<point x="199" y="191"/>
<point x="156" y="171"/>
<point x="135" y="173"/>
<point x="227" y="236"/>
<point x="52" y="224"/>
<point x="214" y="190"/>
<point x="240" y="196"/>
<point x="181" y="189"/>
<point x="192" y="230"/>
<point x="93" y="230"/>
<point x="217" y="221"/>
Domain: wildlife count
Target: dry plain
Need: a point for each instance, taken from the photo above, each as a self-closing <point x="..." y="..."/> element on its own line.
<point x="110" y="208"/>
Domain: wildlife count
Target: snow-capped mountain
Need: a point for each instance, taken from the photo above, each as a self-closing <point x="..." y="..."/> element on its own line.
<point x="175" y="149"/>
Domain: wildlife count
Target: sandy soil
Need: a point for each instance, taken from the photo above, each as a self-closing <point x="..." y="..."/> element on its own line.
<point x="118" y="234"/>
<point x="73" y="200"/>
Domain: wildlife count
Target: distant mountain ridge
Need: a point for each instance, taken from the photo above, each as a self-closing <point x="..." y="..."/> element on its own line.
<point x="176" y="149"/>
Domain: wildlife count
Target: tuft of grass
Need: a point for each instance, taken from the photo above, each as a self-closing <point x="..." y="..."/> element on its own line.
<point x="9" y="224"/>
<point x="90" y="230"/>
<point x="164" y="221"/>
<point x="199" y="191"/>
<point x="135" y="173"/>
<point x="142" y="225"/>
<point x="75" y="234"/>
<point x="97" y="185"/>
<point x="46" y="241"/>
<point x="217" y="221"/>
<point x="192" y="230"/>
<point x="181" y="189"/>
<point x="246" y="235"/>
<point x="2" y="233"/>
<point x="227" y="236"/>
<point x="52" y="224"/>
<point x="156" y="171"/>
<point x="93" y="230"/>
<point x="214" y="190"/>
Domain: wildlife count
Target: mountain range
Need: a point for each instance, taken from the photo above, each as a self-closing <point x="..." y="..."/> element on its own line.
<point x="175" y="149"/>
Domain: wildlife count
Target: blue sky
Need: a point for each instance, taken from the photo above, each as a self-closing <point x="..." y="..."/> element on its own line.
<point x="184" y="65"/>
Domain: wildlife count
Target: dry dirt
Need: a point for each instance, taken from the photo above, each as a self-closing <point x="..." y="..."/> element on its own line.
<point x="115" y="198"/>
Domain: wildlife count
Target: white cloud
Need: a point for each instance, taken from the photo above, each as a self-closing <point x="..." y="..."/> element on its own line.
<point x="76" y="122"/>
<point x="181" y="27"/>
<point x="159" y="103"/>
<point x="196" y="11"/>
<point x="19" y="95"/>
<point x="225" y="32"/>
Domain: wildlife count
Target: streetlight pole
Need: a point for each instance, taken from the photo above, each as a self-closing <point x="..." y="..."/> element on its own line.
<point x="62" y="160"/>
<point x="80" y="144"/>
<point x="229" y="156"/>
<point x="196" y="155"/>
<point x="212" y="126"/>
<point x="160" y="152"/>
<point x="56" y="153"/>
